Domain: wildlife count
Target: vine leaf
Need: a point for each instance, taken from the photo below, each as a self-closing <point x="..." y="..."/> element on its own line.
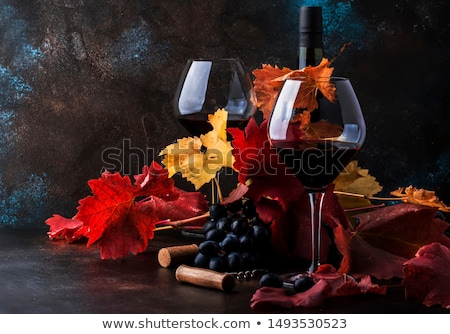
<point x="386" y="238"/>
<point x="198" y="159"/>
<point x="426" y="276"/>
<point x="116" y="217"/>
<point x="420" y="196"/>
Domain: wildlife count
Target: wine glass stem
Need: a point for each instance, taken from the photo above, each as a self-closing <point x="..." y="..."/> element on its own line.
<point x="315" y="201"/>
<point x="216" y="192"/>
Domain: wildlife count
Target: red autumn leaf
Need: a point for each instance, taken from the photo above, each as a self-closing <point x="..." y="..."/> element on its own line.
<point x="188" y="204"/>
<point x="385" y="238"/>
<point x="276" y="297"/>
<point x="155" y="181"/>
<point x="115" y="218"/>
<point x="64" y="228"/>
<point x="329" y="284"/>
<point x="254" y="157"/>
<point x="427" y="276"/>
<point x="128" y="232"/>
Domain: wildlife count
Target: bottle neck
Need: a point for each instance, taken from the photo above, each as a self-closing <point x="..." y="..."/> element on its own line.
<point x="309" y="56"/>
<point x="310" y="49"/>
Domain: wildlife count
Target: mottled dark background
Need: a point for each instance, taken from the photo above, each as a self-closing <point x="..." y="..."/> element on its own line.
<point x="78" y="77"/>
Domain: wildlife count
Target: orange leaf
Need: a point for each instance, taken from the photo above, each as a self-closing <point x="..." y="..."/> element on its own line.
<point x="420" y="196"/>
<point x="265" y="88"/>
<point x="269" y="80"/>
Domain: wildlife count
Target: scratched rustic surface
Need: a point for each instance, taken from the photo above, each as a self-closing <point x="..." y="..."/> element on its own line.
<point x="79" y="78"/>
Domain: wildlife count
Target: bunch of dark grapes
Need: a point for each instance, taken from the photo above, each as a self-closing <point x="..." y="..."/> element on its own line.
<point x="236" y="239"/>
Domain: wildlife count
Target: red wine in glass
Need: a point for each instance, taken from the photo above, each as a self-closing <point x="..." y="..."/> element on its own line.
<point x="317" y="127"/>
<point x="316" y="163"/>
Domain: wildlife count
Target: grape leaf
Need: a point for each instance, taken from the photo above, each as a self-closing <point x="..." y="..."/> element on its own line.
<point x="426" y="276"/>
<point x="265" y="89"/>
<point x="199" y="159"/>
<point x="253" y="155"/>
<point x="354" y="179"/>
<point x="328" y="284"/>
<point x="187" y="204"/>
<point x="313" y="81"/>
<point x="420" y="196"/>
<point x="114" y="216"/>
<point x="385" y="238"/>
<point x="64" y="228"/>
<point x="269" y="80"/>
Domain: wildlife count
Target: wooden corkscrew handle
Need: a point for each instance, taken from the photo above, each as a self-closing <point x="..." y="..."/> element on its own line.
<point x="205" y="278"/>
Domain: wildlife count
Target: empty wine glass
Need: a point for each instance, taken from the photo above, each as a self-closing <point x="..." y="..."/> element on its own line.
<point x="207" y="85"/>
<point x="210" y="84"/>
<point x="316" y="127"/>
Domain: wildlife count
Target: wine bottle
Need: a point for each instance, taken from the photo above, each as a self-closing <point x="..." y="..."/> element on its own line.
<point x="310" y="36"/>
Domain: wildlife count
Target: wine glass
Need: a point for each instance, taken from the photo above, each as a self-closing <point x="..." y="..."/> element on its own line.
<point x="316" y="126"/>
<point x="207" y="85"/>
<point x="210" y="84"/>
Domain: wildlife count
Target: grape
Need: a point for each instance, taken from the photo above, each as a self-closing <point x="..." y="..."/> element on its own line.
<point x="224" y="224"/>
<point x="217" y="263"/>
<point x="230" y="243"/>
<point x="215" y="234"/>
<point x="234" y="261"/>
<point x="237" y="239"/>
<point x="260" y="234"/>
<point x="239" y="226"/>
<point x="257" y="221"/>
<point x="217" y="211"/>
<point x="246" y="242"/>
<point x="271" y="280"/>
<point x="303" y="283"/>
<point x="201" y="261"/>
<point x="209" y="248"/>
<point x="209" y="226"/>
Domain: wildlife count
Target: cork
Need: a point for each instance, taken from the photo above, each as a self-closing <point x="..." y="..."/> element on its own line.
<point x="176" y="255"/>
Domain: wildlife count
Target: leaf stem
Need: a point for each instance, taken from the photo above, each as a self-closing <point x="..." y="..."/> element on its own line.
<point x="219" y="190"/>
<point x="369" y="197"/>
<point x="362" y="208"/>
<point x="181" y="222"/>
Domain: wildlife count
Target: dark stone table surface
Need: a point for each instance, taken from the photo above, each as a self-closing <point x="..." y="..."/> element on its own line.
<point x="41" y="276"/>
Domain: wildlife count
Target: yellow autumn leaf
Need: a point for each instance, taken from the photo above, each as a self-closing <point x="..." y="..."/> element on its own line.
<point x="183" y="155"/>
<point x="218" y="120"/>
<point x="199" y="159"/>
<point x="420" y="196"/>
<point x="356" y="180"/>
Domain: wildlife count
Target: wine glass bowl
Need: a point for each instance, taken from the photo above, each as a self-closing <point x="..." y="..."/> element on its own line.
<point x="316" y="126"/>
<point x="210" y="84"/>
